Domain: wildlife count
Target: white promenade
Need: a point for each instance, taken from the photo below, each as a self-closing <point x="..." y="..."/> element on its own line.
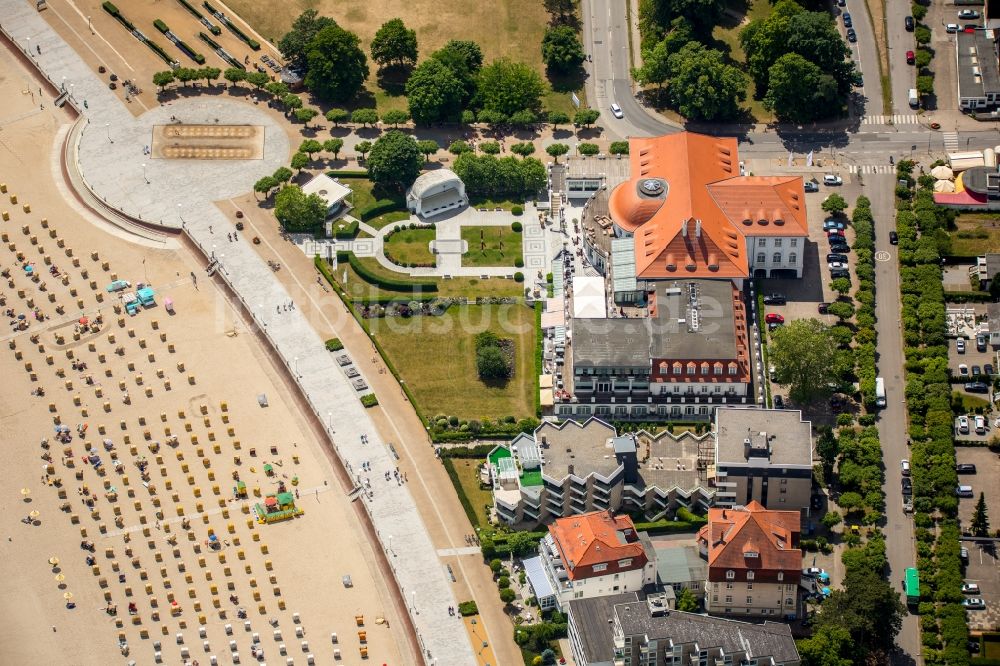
<point x="179" y="193"/>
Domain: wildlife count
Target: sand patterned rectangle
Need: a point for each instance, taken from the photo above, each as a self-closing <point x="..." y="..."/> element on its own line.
<point x="208" y="142"/>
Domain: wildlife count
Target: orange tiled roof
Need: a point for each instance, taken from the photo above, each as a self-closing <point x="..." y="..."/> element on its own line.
<point x="700" y="228"/>
<point x="731" y="533"/>
<point x="596" y="538"/>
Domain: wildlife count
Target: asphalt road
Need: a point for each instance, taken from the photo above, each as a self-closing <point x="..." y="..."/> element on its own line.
<point x="865" y="54"/>
<point x="892" y="420"/>
<point x="904" y="76"/>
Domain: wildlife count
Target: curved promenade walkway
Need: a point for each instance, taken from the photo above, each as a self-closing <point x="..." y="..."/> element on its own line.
<point x="173" y="194"/>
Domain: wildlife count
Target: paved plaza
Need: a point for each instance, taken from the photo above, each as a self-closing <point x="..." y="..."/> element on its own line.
<point x="112" y="160"/>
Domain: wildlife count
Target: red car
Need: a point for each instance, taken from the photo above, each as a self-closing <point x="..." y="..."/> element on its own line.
<point x="910" y="58"/>
<point x="773" y="318"/>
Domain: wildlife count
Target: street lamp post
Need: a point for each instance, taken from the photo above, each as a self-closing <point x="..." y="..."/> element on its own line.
<point x="107" y="126"/>
<point x="144" y="177"/>
<point x="296" y="366"/>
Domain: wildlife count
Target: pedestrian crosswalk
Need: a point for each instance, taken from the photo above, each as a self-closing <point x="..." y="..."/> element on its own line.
<point x="950" y="141"/>
<point x="871" y="168"/>
<point x="897" y="119"/>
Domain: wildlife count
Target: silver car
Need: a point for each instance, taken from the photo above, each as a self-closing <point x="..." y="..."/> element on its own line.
<point x="616" y="111"/>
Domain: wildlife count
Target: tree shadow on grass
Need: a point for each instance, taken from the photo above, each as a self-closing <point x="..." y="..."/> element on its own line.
<point x="393" y="79"/>
<point x="495" y="383"/>
<point x="567" y="82"/>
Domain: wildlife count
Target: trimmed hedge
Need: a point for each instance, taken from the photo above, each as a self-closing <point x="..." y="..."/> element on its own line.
<point x="470" y="513"/>
<point x="252" y="43"/>
<point x="539" y="345"/>
<point x="383" y="282"/>
<point x="161" y="26"/>
<point x="369" y="400"/>
<point x="334" y="344"/>
<point x="968" y="297"/>
<point x="347" y="173"/>
<point x="110" y="8"/>
<point x="345" y="232"/>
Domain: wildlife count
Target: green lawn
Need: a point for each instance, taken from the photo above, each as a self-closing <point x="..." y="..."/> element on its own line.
<point x="991" y="645"/>
<point x="357" y="288"/>
<point x="726" y="34"/>
<point x="492" y="246"/>
<point x="977" y="234"/>
<point x="410" y="246"/>
<point x="435" y="356"/>
<point x="466" y="472"/>
<point x="389" y="218"/>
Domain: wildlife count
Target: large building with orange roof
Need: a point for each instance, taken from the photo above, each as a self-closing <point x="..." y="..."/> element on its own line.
<point x="692" y="212"/>
<point x="594" y="554"/>
<point x="754" y="561"/>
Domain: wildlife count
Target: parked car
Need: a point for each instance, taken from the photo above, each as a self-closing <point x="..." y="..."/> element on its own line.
<point x="968" y="14"/>
<point x="970" y="588"/>
<point x="951" y="27"/>
<point x="833" y="256"/>
<point x="981" y="342"/>
<point x="779" y="402"/>
<point x="904" y="465"/>
<point x="840" y="248"/>
<point x="893" y="238"/>
<point x="963" y="427"/>
<point x="907" y="485"/>
<point x="775" y="299"/>
<point x="832" y="223"/>
<point x="965" y="468"/>
<point x="851" y="35"/>
<point x="911" y="58"/>
<point x="823" y="308"/>
<point x="836" y="265"/>
<point x="847" y="20"/>
<point x="988" y="369"/>
<point x="812" y="572"/>
<point x="909" y="23"/>
<point x="832" y="179"/>
<point x="974" y="603"/>
<point x="977" y="387"/>
<point x="773" y="318"/>
<point x="835" y="235"/>
<point x="977" y="371"/>
<point x="616" y="111"/>
<point x="907" y="504"/>
<point x="963" y="553"/>
<point x="963" y="370"/>
<point x="980" y="424"/>
<point x="840" y="273"/>
<point x="811" y="186"/>
<point x="960" y="345"/>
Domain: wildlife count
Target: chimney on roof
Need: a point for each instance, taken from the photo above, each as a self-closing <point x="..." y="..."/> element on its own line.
<point x="697" y="228"/>
<point x="723" y="513"/>
<point x="684" y="229"/>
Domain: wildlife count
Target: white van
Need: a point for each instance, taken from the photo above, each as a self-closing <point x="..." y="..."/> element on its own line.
<point x="914" y="100"/>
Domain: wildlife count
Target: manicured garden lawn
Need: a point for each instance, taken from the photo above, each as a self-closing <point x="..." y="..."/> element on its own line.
<point x="357" y="288"/>
<point x="389" y="218"/>
<point x="468" y="480"/>
<point x="991" y="645"/>
<point x="436" y="357"/>
<point x="492" y="246"/>
<point x="410" y="246"/>
<point x="977" y="234"/>
<point x="366" y="193"/>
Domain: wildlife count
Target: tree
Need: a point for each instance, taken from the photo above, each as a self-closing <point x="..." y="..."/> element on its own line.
<point x="186" y="75"/>
<point x="980" y="521"/>
<point x="395" y="160"/>
<point x="868" y="608"/>
<point x="291" y="102"/>
<point x="925" y="84"/>
<point x="523" y="118"/>
<point x="841" y="309"/>
<point x="703" y="86"/>
<point x="210" y="74"/>
<point x="333" y="146"/>
<point x="507" y="595"/>
<point x="363" y="148"/>
<point x="703" y="14"/>
<point x="464" y="59"/>
<point x="310" y="146"/>
<point x="563" y="9"/>
<point x="828" y="646"/>
<point x="656" y="60"/>
<point x="805" y="358"/>
<point x="305" y="115"/>
<point x="458" y="147"/>
<point x="395" y="116"/>
<point x="506" y="87"/>
<point x="295" y="44"/>
<point x="297" y="211"/>
<point x="337" y="67"/>
<point x="618" y="148"/>
<point x="588" y="149"/>
<point x="828" y="448"/>
<point x="434" y="93"/>
<point x="337" y="116"/>
<point x="799" y="91"/>
<point x="428" y="147"/>
<point x="995" y="288"/>
<point x="557" y="118"/>
<point x="163" y="79"/>
<point x="686" y="601"/>
<point x="282" y="174"/>
<point x="265" y="185"/>
<point x="586" y="117"/>
<point x="234" y="75"/>
<point x="491" y="365"/>
<point x="394" y="44"/>
<point x="300" y="161"/>
<point x="523" y="149"/>
<point x="490" y="147"/>
<point x="841" y="285"/>
<point x="830" y="519"/>
<point x="562" y="51"/>
<point x="557" y="149"/>
<point x="365" y="116"/>
<point x="257" y="79"/>
<point x="834" y="204"/>
<point x="278" y="89"/>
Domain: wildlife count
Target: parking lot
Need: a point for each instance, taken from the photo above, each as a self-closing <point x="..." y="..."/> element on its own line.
<point x="985" y="479"/>
<point x="984" y="570"/>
